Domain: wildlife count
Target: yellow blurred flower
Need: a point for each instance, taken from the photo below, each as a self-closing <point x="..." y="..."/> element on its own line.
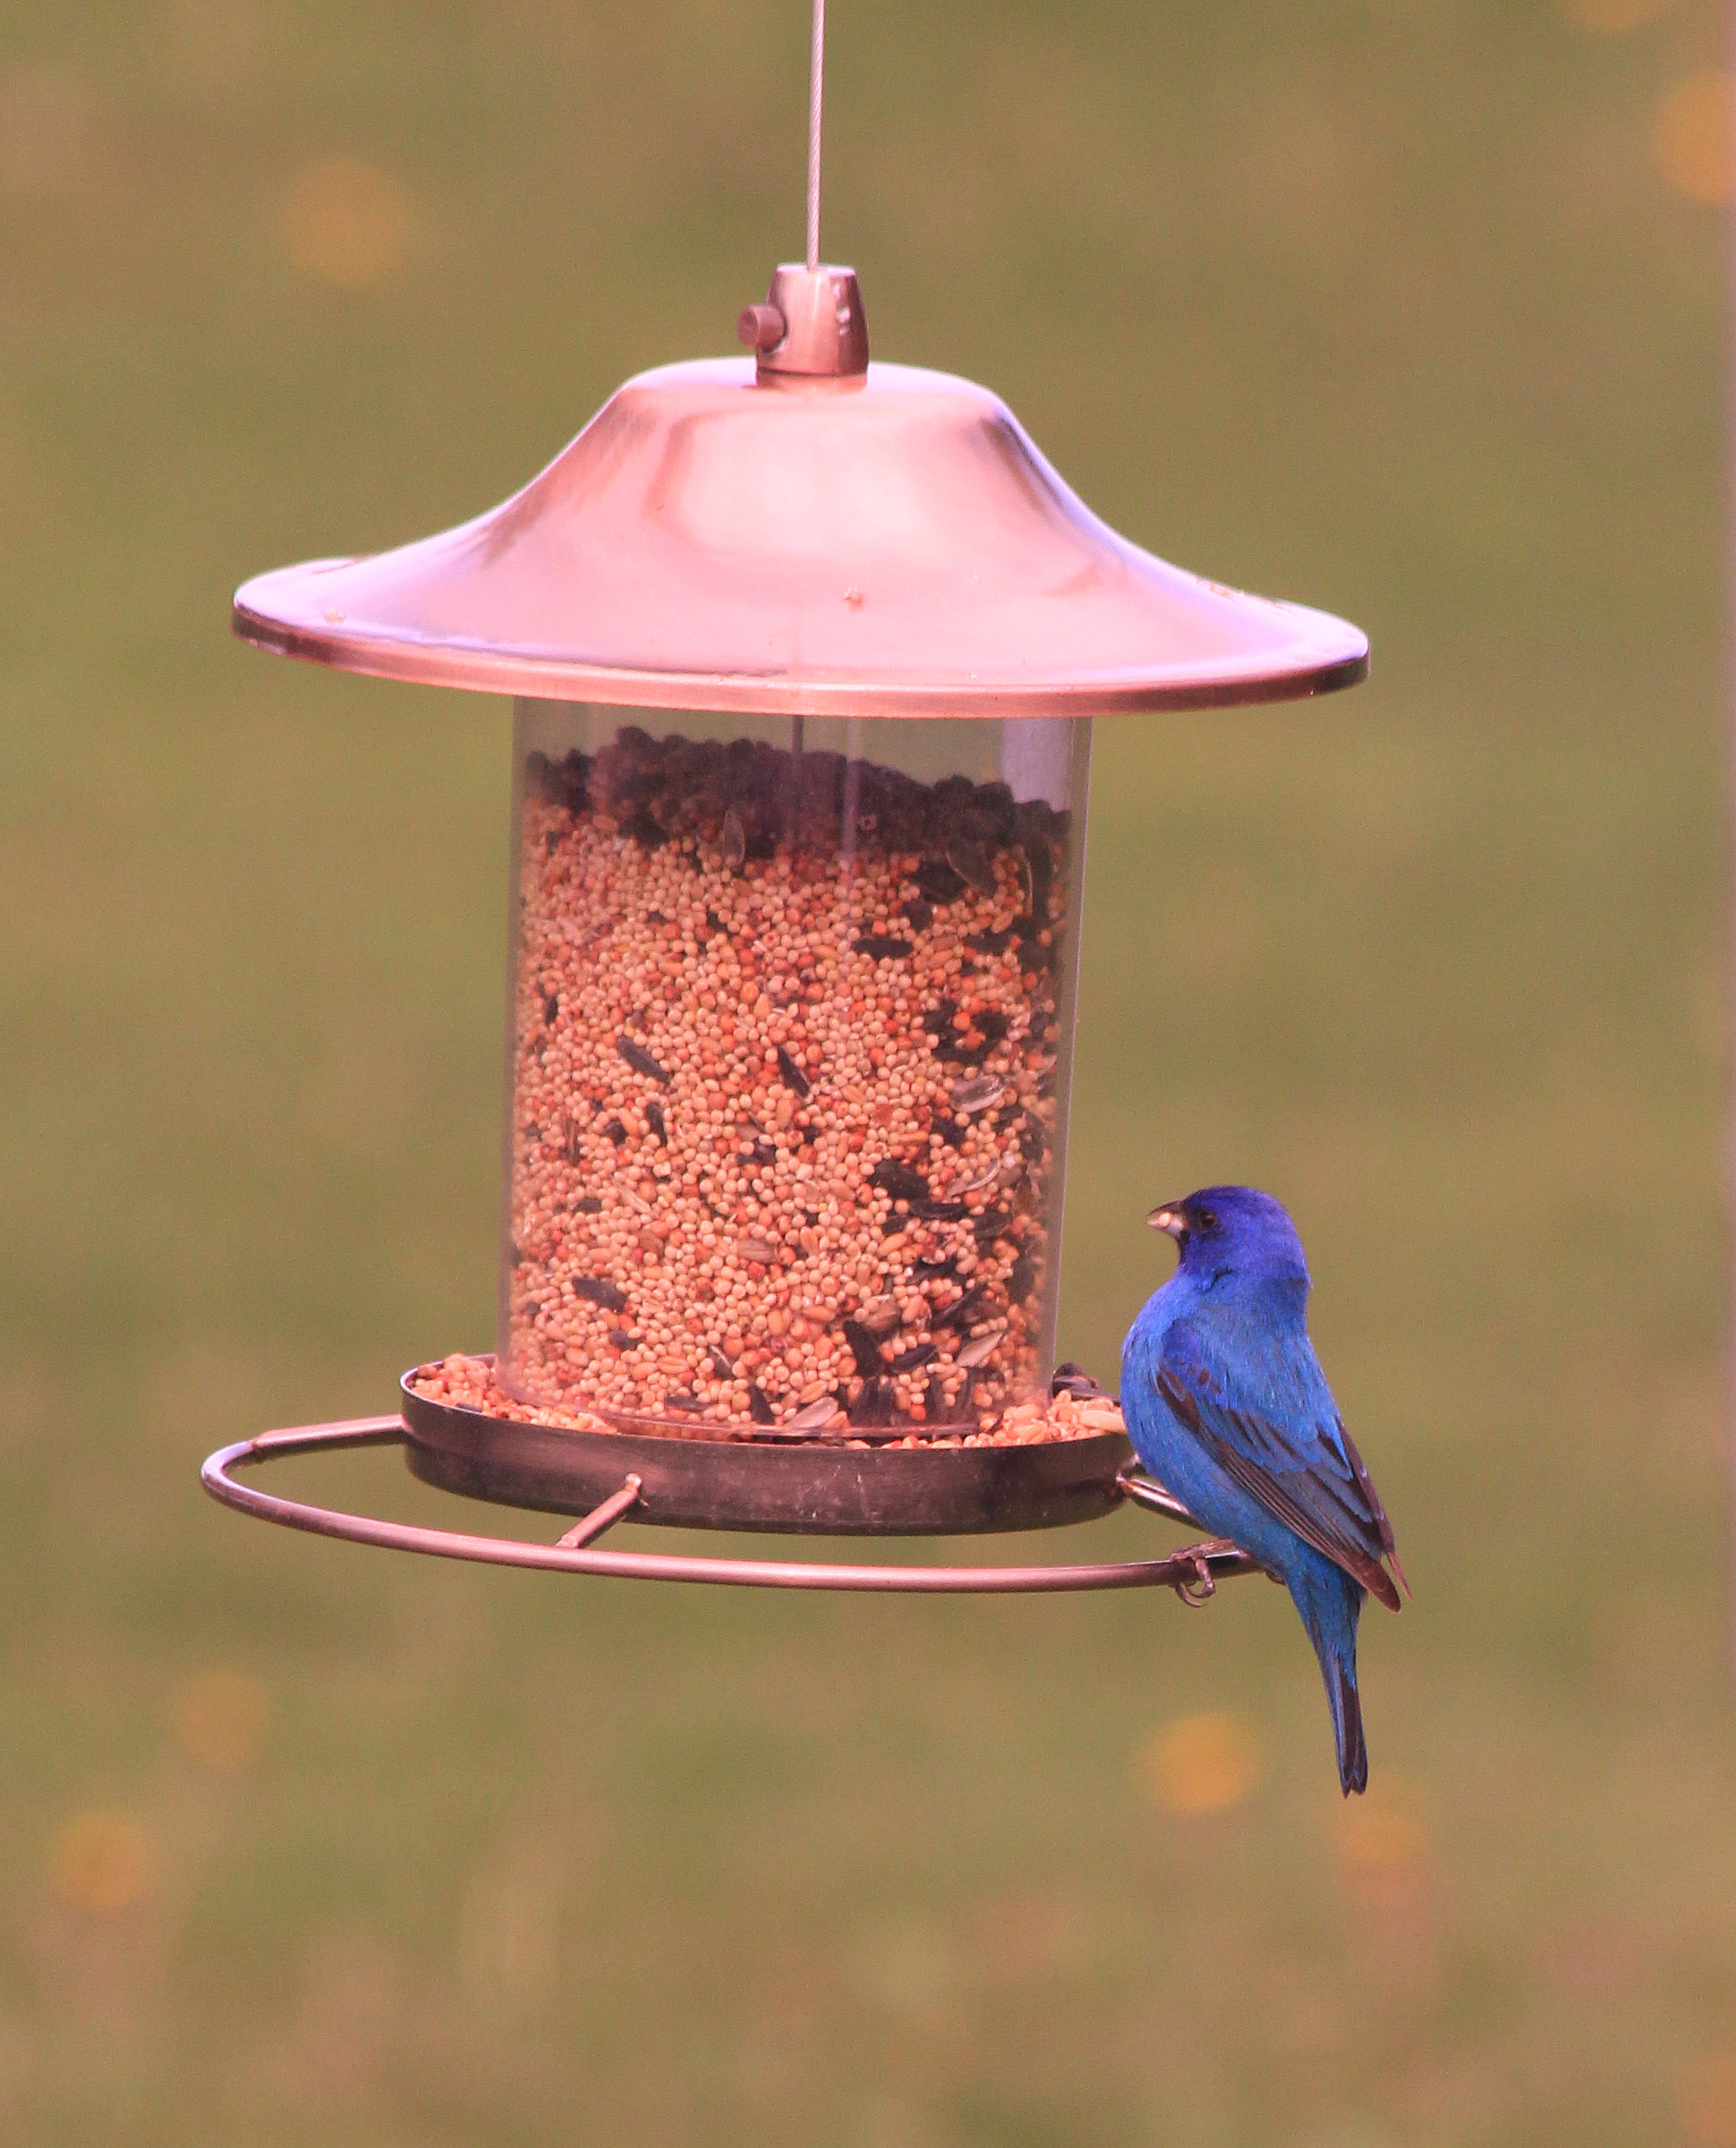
<point x="1694" y="137"/>
<point x="347" y="223"/>
<point x="1709" y="2104"/>
<point x="219" y="1719"/>
<point x="100" y="1863"/>
<point x="1203" y="1764"/>
<point x="1377" y="1840"/>
<point x="1608" y="17"/>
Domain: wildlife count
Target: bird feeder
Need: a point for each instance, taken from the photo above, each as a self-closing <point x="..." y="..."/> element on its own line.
<point x="804" y="653"/>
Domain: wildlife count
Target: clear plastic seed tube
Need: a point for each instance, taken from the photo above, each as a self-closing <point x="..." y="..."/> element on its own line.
<point x="789" y="1048"/>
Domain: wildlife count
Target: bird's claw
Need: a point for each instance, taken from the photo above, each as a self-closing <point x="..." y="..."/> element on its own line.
<point x="1200" y="1591"/>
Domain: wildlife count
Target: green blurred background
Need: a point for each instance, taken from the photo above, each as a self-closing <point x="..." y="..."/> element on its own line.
<point x="1413" y="309"/>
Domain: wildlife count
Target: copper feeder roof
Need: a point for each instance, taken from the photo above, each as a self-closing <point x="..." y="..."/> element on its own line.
<point x="804" y="532"/>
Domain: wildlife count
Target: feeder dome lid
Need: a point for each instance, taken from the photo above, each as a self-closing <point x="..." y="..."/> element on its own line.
<point x="802" y="532"/>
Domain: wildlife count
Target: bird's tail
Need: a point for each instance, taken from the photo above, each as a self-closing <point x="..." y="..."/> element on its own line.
<point x="1346" y="1724"/>
<point x="1331" y="1604"/>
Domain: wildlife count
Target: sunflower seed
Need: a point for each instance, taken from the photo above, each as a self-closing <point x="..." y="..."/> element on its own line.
<point x="977" y="1094"/>
<point x="863" y="1349"/>
<point x="654" y="1120"/>
<point x="1074" y="1380"/>
<point x="977" y="1185"/>
<point x="937" y="882"/>
<point x="881" y="946"/>
<point x="759" y="1404"/>
<point x="898" y="1179"/>
<point x="815" y="1415"/>
<point x="600" y="1292"/>
<point x="913" y="1360"/>
<point x="970" y="862"/>
<point x="792" y="1075"/>
<point x="734" y="842"/>
<point x="720" y="1365"/>
<point x="980" y="1348"/>
<point x="962" y="1311"/>
<point x="640" y="1060"/>
<point x="874" y="1405"/>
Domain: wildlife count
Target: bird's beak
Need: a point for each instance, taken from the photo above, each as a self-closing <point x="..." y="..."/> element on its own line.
<point x="1166" y="1216"/>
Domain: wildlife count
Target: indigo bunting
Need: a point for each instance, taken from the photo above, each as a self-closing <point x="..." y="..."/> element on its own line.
<point x="1227" y="1407"/>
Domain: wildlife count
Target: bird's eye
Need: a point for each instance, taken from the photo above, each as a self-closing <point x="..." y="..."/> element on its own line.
<point x="1204" y="1219"/>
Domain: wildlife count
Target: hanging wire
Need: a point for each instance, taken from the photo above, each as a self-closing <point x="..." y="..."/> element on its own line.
<point x="816" y="87"/>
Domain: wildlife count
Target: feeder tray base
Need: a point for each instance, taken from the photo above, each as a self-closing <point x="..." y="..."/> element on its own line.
<point x="1192" y="1572"/>
<point x="809" y="1488"/>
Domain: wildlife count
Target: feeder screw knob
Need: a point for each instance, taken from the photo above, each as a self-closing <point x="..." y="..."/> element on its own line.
<point x="762" y="327"/>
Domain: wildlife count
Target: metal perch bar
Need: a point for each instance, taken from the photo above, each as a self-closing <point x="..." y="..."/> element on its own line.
<point x="1191" y="1572"/>
<point x="592" y="1525"/>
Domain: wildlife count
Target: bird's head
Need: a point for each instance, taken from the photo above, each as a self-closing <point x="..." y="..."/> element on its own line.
<point x="1233" y="1231"/>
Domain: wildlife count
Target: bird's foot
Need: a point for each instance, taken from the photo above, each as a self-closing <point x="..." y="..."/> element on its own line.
<point x="1197" y="1557"/>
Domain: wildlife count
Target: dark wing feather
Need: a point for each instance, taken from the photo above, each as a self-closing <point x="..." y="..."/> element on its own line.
<point x="1306" y="1473"/>
<point x="1365" y="1485"/>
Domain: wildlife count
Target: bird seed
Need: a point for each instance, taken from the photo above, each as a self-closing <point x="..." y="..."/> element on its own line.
<point x="767" y="1004"/>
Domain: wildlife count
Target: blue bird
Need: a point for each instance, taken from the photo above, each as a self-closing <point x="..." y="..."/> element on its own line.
<point x="1228" y="1408"/>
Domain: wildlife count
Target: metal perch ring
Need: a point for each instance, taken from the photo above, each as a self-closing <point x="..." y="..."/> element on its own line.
<point x="1192" y="1572"/>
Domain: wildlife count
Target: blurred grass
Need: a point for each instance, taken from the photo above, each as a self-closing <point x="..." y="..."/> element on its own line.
<point x="1385" y="308"/>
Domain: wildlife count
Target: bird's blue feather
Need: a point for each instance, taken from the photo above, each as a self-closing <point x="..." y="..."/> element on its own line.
<point x="1227" y="1406"/>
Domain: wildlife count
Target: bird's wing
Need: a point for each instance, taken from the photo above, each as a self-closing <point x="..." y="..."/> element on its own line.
<point x="1266" y="1417"/>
